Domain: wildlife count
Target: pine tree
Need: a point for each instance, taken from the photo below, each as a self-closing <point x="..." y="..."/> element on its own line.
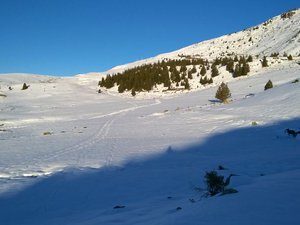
<point x="193" y="70"/>
<point x="183" y="69"/>
<point x="249" y="59"/>
<point x="237" y="71"/>
<point x="214" y="71"/>
<point x="265" y="62"/>
<point x="290" y="57"/>
<point x="203" y="80"/>
<point x="223" y="93"/>
<point x="203" y="71"/>
<point x="245" y="69"/>
<point x="186" y="84"/>
<point x="121" y="88"/>
<point x="229" y="66"/>
<point x="25" y="86"/>
<point x="269" y="85"/>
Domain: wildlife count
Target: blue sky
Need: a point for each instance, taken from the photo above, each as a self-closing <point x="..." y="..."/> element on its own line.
<point x="67" y="37"/>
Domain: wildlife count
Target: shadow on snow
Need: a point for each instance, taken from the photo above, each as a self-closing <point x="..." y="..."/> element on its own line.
<point x="250" y="151"/>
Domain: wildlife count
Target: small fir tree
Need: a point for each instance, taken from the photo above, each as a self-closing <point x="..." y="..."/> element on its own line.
<point x="237" y="71"/>
<point x="265" y="62"/>
<point x="230" y="66"/>
<point x="25" y="86"/>
<point x="203" y="71"/>
<point x="250" y="58"/>
<point x="269" y="85"/>
<point x="214" y="71"/>
<point x="193" y="70"/>
<point x="186" y="84"/>
<point x="290" y="57"/>
<point x="203" y="80"/>
<point x="223" y="93"/>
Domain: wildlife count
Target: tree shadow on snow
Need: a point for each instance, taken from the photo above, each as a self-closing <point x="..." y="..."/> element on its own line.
<point x="172" y="174"/>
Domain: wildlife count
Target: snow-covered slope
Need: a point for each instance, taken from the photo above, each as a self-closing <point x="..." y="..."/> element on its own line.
<point x="277" y="35"/>
<point x="149" y="154"/>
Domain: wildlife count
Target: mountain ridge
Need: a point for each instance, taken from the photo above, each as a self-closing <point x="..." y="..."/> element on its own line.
<point x="240" y="43"/>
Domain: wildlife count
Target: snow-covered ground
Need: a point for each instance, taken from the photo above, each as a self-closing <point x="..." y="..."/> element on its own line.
<point x="69" y="155"/>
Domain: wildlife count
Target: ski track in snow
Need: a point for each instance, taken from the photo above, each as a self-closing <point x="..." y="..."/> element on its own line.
<point x="81" y="148"/>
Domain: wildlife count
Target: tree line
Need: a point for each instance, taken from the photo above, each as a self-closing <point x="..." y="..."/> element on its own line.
<point x="173" y="73"/>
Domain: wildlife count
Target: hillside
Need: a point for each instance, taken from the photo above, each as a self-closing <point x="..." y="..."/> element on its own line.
<point x="209" y="63"/>
<point x="280" y="34"/>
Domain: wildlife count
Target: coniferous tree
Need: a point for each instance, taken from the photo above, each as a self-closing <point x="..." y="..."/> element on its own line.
<point x="193" y="70"/>
<point x="237" y="71"/>
<point x="186" y="84"/>
<point x="269" y="85"/>
<point x="242" y="60"/>
<point x="223" y="92"/>
<point x="265" y="62"/>
<point x="214" y="71"/>
<point x="183" y="68"/>
<point x="203" y="80"/>
<point x="229" y="66"/>
<point x="290" y="57"/>
<point x="121" y="88"/>
<point x="250" y="58"/>
<point x="203" y="71"/>
<point x="245" y="68"/>
<point x="25" y="86"/>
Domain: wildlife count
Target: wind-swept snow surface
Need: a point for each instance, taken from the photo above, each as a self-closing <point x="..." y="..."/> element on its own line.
<point x="70" y="155"/>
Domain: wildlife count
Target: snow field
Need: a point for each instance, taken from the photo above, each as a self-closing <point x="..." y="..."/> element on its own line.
<point x="149" y="155"/>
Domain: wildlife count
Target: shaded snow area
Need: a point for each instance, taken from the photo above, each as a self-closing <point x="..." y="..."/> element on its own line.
<point x="70" y="155"/>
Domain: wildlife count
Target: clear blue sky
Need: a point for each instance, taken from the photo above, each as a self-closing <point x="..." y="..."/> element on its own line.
<point x="67" y="37"/>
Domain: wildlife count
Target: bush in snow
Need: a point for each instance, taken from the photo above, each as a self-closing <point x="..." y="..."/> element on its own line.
<point x="269" y="85"/>
<point x="223" y="92"/>
<point x="216" y="184"/>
